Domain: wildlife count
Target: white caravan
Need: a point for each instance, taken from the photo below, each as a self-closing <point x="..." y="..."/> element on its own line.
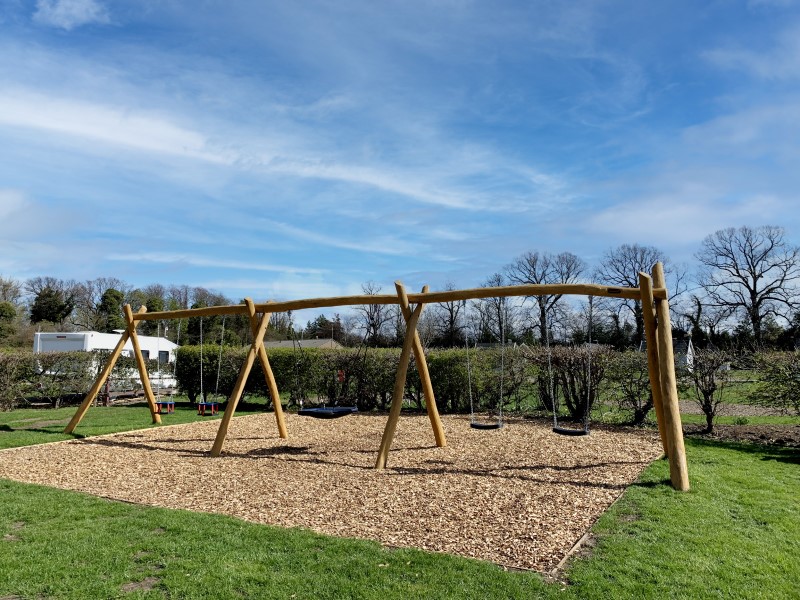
<point x="86" y="341"/>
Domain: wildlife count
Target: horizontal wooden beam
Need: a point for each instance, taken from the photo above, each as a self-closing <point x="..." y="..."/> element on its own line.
<point x="566" y="289"/>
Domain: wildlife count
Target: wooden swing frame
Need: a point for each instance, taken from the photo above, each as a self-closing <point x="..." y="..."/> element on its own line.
<point x="651" y="292"/>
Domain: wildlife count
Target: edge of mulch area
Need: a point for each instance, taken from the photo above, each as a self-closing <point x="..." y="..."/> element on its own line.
<point x="520" y="496"/>
<point x="786" y="436"/>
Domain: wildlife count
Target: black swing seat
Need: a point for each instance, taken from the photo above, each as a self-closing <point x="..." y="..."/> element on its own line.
<point x="569" y="431"/>
<point x="328" y="412"/>
<point x="496" y="425"/>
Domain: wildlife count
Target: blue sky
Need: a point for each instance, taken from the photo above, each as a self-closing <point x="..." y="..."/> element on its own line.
<point x="298" y="149"/>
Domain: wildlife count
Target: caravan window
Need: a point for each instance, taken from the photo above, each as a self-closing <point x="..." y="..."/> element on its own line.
<point x="163" y="356"/>
<point x="146" y="354"/>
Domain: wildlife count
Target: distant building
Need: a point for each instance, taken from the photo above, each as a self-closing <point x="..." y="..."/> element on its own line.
<point x="152" y="347"/>
<point x="683" y="349"/>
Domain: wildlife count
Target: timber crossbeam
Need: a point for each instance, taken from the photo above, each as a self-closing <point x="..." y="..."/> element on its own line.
<point x="577" y="289"/>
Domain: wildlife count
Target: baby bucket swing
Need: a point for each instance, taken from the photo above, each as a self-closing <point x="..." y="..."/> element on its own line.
<point x="210" y="407"/>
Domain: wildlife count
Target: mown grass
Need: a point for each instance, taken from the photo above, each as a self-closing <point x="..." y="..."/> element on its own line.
<point x="27" y="426"/>
<point x="68" y="545"/>
<point x="740" y="420"/>
<point x="736" y="534"/>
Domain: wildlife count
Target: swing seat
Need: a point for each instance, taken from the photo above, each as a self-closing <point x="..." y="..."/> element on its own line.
<point x="569" y="431"/>
<point x="497" y="425"/>
<point x="330" y="412"/>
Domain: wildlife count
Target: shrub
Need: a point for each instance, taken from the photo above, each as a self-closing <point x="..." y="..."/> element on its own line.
<point x="60" y="376"/>
<point x="573" y="373"/>
<point x="367" y="376"/>
<point x="780" y="381"/>
<point x="16" y="374"/>
<point x="629" y="384"/>
<point x="707" y="377"/>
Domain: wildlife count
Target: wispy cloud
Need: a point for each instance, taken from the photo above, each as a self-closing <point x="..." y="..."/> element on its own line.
<point x="199" y="261"/>
<point x="119" y="126"/>
<point x="779" y="62"/>
<point x="365" y="244"/>
<point x="683" y="214"/>
<point x="69" y="14"/>
<point x="768" y="129"/>
<point x="283" y="288"/>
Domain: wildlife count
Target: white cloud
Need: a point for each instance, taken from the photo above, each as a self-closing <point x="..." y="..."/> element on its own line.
<point x="183" y="259"/>
<point x="68" y="14"/>
<point x="362" y="244"/>
<point x="284" y="288"/>
<point x="684" y="216"/>
<point x="762" y="130"/>
<point x="11" y="201"/>
<point x="125" y="127"/>
<point x="781" y="62"/>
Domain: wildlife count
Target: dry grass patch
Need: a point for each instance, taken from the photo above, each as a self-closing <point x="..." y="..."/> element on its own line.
<point x="520" y="496"/>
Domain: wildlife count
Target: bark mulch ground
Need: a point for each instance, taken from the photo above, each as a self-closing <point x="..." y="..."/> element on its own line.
<point x="520" y="496"/>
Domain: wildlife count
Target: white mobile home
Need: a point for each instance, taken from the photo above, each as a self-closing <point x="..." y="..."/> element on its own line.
<point x="86" y="341"/>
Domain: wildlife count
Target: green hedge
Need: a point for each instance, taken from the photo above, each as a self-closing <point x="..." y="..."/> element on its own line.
<point x="56" y="377"/>
<point x="311" y="376"/>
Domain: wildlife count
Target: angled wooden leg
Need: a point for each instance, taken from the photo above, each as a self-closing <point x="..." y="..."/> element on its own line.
<point x="236" y="394"/>
<point x="648" y="310"/>
<point x="137" y="351"/>
<point x="425" y="378"/>
<point x="272" y="385"/>
<point x="399" y="380"/>
<point x="101" y="379"/>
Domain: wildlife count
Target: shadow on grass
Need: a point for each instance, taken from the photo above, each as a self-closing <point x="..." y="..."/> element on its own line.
<point x="792" y="458"/>
<point x="746" y="447"/>
<point x="55" y="430"/>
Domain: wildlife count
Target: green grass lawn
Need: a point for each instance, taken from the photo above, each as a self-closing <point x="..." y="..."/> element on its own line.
<point x="736" y="534"/>
<point x="26" y="426"/>
<point x="749" y="420"/>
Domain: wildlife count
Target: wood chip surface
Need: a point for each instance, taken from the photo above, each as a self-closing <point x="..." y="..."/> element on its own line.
<point x="520" y="496"/>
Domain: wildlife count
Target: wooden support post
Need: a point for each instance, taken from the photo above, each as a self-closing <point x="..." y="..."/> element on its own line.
<point x="648" y="312"/>
<point x="425" y="378"/>
<point x="272" y="385"/>
<point x="137" y="352"/>
<point x="678" y="471"/>
<point x="238" y="388"/>
<point x="101" y="379"/>
<point x="400" y="378"/>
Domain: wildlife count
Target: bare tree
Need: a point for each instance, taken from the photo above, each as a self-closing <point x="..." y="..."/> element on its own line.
<point x="178" y="297"/>
<point x="53" y="299"/>
<point x="621" y="266"/>
<point x="752" y="271"/>
<point x="88" y="298"/>
<point x="708" y="377"/>
<point x="447" y="320"/>
<point x="705" y="321"/>
<point x="10" y="290"/>
<point x="496" y="315"/>
<point x="545" y="268"/>
<point x="373" y="317"/>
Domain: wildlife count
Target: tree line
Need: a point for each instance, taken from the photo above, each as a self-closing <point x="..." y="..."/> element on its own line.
<point x="742" y="293"/>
